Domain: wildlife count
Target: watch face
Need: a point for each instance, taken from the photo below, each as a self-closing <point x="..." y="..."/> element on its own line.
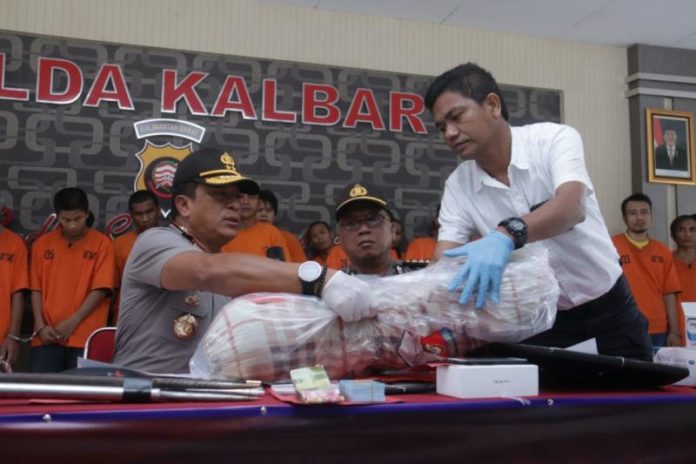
<point x="517" y="226"/>
<point x="309" y="271"/>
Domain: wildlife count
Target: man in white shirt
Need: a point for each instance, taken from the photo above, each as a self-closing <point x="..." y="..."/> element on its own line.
<point x="524" y="184"/>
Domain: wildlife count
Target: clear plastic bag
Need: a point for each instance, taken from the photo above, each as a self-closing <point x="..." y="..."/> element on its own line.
<point x="265" y="335"/>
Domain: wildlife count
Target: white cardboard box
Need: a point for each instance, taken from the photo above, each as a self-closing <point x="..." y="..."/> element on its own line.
<point x="679" y="356"/>
<point x="478" y="381"/>
<point x="690" y="324"/>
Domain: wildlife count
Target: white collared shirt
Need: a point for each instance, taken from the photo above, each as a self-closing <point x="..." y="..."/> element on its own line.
<point x="544" y="156"/>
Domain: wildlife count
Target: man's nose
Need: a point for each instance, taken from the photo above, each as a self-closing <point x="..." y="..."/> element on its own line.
<point x="451" y="131"/>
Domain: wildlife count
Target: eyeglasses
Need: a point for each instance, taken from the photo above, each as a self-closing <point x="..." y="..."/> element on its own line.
<point x="371" y="220"/>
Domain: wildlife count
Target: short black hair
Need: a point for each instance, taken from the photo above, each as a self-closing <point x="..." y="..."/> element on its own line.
<point x="70" y="199"/>
<point x="677" y="222"/>
<point x="269" y="197"/>
<point x="141" y="196"/>
<point x="393" y="217"/>
<point x="187" y="189"/>
<point x="635" y="197"/>
<point x="469" y="80"/>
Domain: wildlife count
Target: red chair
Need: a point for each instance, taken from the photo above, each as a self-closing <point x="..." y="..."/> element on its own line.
<point x="100" y="345"/>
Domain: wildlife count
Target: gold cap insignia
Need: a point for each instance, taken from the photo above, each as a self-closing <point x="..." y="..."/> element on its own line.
<point x="358" y="191"/>
<point x="228" y="161"/>
<point x="225" y="175"/>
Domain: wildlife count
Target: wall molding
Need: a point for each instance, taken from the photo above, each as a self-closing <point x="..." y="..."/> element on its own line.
<point x="660" y="78"/>
<point x="660" y="93"/>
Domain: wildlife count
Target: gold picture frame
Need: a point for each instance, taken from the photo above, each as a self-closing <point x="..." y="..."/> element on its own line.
<point x="670" y="146"/>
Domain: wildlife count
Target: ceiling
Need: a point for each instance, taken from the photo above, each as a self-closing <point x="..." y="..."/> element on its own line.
<point x="669" y="23"/>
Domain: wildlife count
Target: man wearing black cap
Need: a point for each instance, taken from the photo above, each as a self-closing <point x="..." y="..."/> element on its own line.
<point x="365" y="230"/>
<point x="176" y="280"/>
<point x="669" y="155"/>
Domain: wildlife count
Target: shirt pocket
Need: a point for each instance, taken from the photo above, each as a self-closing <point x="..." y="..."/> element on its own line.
<point x="182" y="306"/>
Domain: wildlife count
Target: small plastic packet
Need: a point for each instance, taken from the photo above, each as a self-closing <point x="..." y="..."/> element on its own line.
<point x="313" y="386"/>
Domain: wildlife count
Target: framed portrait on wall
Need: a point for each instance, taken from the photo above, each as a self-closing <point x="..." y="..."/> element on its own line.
<point x="670" y="146"/>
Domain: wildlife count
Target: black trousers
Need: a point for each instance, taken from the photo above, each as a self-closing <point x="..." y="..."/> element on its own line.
<point x="613" y="319"/>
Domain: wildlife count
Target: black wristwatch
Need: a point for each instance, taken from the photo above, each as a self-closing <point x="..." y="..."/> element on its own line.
<point x="517" y="228"/>
<point x="312" y="275"/>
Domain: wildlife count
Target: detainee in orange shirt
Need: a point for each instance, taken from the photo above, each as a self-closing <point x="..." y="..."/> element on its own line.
<point x="14" y="279"/>
<point x="319" y="241"/>
<point x="72" y="276"/>
<point x="268" y="212"/>
<point x="254" y="237"/>
<point x="649" y="268"/>
<point x="422" y="248"/>
<point x="143" y="207"/>
<point x="683" y="231"/>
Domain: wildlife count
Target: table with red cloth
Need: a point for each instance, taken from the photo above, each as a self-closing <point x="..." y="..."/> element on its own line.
<point x="640" y="426"/>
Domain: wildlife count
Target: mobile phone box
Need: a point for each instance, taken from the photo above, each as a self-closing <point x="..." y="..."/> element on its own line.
<point x="487" y="381"/>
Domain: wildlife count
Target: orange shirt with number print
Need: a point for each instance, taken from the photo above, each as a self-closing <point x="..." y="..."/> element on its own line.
<point x="651" y="275"/>
<point x="65" y="273"/>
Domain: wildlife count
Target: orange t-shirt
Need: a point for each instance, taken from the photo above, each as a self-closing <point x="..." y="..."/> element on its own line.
<point x="420" y="249"/>
<point x="262" y="239"/>
<point x="651" y="275"/>
<point x="14" y="275"/>
<point x="65" y="274"/>
<point x="297" y="254"/>
<point x="123" y="244"/>
<point x="337" y="258"/>
<point x="687" y="279"/>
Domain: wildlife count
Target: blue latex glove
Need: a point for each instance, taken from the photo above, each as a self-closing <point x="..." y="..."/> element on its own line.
<point x="483" y="270"/>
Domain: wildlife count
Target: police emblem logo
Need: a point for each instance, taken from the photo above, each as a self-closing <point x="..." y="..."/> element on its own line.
<point x="157" y="167"/>
<point x="185" y="326"/>
<point x="358" y="191"/>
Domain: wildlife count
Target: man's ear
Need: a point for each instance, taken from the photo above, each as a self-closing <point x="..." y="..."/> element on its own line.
<point x="493" y="105"/>
<point x="182" y="205"/>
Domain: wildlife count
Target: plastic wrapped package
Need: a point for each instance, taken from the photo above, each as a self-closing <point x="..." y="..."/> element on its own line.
<point x="265" y="335"/>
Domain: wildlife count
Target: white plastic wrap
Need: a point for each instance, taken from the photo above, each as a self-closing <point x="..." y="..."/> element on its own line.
<point x="265" y="335"/>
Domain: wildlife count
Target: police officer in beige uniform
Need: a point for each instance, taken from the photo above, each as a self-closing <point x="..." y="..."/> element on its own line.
<point x="365" y="232"/>
<point x="175" y="280"/>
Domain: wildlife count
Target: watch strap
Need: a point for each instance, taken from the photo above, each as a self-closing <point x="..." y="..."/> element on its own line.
<point x="319" y="283"/>
<point x="308" y="287"/>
